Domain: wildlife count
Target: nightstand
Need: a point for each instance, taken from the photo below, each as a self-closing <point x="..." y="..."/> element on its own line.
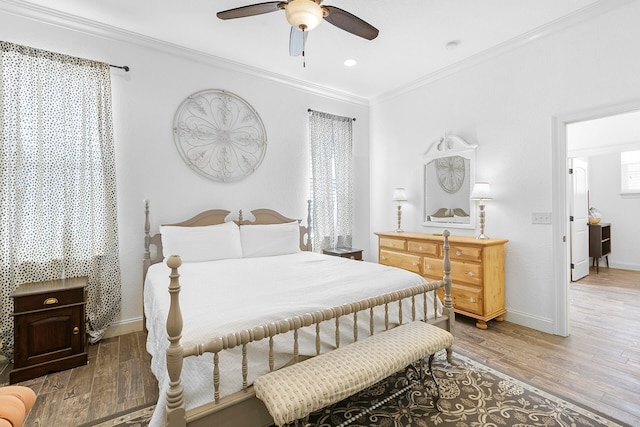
<point x="49" y="327"/>
<point x="344" y="253"/>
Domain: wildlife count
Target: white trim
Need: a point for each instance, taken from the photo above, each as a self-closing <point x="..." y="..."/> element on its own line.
<point x="94" y="28"/>
<point x="124" y="327"/>
<point x="525" y="319"/>
<point x="585" y="14"/>
<point x="560" y="193"/>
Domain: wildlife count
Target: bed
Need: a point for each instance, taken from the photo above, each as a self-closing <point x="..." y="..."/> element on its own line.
<point x="235" y="313"/>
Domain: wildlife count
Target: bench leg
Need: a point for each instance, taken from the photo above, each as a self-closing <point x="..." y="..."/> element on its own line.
<point x="436" y="394"/>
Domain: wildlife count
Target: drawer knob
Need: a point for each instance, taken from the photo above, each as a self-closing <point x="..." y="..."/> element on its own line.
<point x="50" y="301"/>
<point x="415" y="263"/>
<point x="472" y="299"/>
<point x="470" y="274"/>
<point x="76" y="330"/>
<point x="421" y="248"/>
<point x="428" y="266"/>
<point x="458" y="253"/>
<point x="384" y="257"/>
<point x="391" y="244"/>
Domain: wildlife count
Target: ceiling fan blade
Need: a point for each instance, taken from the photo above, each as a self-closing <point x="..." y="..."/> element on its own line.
<point x="297" y="40"/>
<point x="350" y="23"/>
<point x="251" y="10"/>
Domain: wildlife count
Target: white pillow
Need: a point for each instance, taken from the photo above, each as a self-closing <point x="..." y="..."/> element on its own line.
<point x="270" y="239"/>
<point x="206" y="243"/>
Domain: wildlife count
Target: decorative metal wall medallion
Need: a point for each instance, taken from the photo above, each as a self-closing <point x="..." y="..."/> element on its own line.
<point x="450" y="171"/>
<point x="219" y="135"/>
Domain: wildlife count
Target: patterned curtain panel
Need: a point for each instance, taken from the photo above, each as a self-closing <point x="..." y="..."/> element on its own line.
<point x="57" y="180"/>
<point x="332" y="180"/>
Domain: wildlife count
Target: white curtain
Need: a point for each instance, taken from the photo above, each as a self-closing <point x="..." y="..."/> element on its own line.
<point x="331" y="180"/>
<point x="57" y="180"/>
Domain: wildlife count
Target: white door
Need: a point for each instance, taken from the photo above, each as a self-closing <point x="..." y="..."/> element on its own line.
<point x="579" y="210"/>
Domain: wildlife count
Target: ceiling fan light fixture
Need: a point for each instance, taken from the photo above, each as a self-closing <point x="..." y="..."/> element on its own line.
<point x="303" y="14"/>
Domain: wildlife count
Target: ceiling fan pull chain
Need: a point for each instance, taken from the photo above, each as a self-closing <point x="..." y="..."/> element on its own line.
<point x="304" y="47"/>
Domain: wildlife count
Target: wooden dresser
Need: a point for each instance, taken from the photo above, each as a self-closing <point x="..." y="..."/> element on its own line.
<point x="49" y="327"/>
<point x="477" y="268"/>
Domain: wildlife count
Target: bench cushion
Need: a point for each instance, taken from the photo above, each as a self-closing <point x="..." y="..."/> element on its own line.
<point x="295" y="391"/>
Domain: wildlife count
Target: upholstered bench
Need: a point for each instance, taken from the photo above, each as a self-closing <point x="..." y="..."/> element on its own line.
<point x="293" y="392"/>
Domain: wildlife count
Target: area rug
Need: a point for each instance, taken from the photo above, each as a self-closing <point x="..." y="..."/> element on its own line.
<point x="472" y="395"/>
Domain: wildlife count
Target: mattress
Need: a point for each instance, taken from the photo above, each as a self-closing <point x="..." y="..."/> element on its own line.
<point x="226" y="296"/>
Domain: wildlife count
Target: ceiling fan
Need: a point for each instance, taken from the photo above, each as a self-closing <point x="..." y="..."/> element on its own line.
<point x="305" y="15"/>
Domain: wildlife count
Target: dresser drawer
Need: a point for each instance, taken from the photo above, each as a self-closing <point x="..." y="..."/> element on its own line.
<point x="465" y="298"/>
<point x="425" y="248"/>
<point x="400" y="260"/>
<point x="48" y="300"/>
<point x="432" y="267"/>
<point x="398" y="244"/>
<point x="465" y="253"/>
<point x="466" y="272"/>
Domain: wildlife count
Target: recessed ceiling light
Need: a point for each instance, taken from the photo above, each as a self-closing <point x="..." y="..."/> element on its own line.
<point x="350" y="62"/>
<point x="452" y="45"/>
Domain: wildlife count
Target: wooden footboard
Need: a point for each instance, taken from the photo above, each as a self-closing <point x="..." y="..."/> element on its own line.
<point x="243" y="408"/>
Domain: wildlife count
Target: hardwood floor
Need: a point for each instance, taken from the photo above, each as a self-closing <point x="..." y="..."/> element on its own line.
<point x="116" y="378"/>
<point x="597" y="366"/>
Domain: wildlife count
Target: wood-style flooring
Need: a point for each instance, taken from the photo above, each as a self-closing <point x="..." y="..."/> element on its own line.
<point x="598" y="365"/>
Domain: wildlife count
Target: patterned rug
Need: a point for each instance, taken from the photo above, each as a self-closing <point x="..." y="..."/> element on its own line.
<point x="472" y="395"/>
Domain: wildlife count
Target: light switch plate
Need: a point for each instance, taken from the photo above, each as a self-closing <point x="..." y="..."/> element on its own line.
<point x="541" y="218"/>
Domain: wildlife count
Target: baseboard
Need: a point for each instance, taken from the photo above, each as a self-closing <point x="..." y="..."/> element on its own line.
<point x="124" y="327"/>
<point x="533" y="322"/>
<point x="621" y="265"/>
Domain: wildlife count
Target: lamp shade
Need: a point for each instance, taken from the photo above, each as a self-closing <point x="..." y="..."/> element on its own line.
<point x="481" y="191"/>
<point x="303" y="14"/>
<point x="399" y="195"/>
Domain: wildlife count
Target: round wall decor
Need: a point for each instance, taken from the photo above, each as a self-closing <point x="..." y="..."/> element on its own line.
<point x="450" y="171"/>
<point x="219" y="135"/>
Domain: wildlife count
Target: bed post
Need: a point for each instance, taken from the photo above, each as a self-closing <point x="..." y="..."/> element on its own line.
<point x="448" y="302"/>
<point x="175" y="393"/>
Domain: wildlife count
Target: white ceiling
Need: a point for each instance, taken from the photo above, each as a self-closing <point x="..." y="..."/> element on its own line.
<point x="411" y="44"/>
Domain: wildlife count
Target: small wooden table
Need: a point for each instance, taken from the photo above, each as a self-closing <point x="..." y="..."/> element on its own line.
<point x="344" y="253"/>
<point x="49" y="327"/>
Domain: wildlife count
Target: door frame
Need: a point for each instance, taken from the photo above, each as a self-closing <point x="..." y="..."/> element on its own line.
<point x="560" y="203"/>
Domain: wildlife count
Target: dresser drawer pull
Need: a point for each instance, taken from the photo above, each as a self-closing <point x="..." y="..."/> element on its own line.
<point x="429" y="267"/>
<point x="76" y="330"/>
<point x="50" y="301"/>
<point x="414" y="263"/>
<point x="472" y="299"/>
<point x="421" y="248"/>
<point x="391" y="244"/>
<point x="458" y="253"/>
<point x="470" y="273"/>
<point x="383" y="257"/>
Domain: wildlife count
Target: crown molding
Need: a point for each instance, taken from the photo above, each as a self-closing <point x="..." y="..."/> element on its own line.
<point x="93" y="28"/>
<point x="594" y="10"/>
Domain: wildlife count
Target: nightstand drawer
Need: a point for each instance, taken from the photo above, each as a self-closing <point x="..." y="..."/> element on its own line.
<point x="350" y="253"/>
<point x="47" y="300"/>
<point x="398" y="259"/>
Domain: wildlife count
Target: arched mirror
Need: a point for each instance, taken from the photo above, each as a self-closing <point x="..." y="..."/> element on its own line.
<point x="449" y="175"/>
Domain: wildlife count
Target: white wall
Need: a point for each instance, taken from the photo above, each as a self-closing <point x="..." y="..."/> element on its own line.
<point x="148" y="165"/>
<point x="619" y="210"/>
<point x="505" y="105"/>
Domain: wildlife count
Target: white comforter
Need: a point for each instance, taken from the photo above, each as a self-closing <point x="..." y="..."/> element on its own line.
<point x="226" y="296"/>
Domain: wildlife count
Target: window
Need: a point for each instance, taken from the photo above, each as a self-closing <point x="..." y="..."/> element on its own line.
<point x="331" y="180"/>
<point x="630" y="171"/>
<point x="57" y="180"/>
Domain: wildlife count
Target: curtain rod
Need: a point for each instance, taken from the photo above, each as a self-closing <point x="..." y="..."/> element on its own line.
<point x="122" y="67"/>
<point x="310" y="110"/>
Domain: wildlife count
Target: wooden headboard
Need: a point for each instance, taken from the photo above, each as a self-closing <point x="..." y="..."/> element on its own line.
<point x="153" y="243"/>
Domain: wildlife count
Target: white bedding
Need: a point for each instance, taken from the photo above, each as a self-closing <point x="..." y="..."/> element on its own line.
<point x="226" y="296"/>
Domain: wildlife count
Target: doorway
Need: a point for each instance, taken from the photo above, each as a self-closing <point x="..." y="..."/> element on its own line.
<point x="562" y="193"/>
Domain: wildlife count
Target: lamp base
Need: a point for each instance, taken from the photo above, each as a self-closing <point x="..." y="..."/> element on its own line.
<point x="482" y="236"/>
<point x="399" y="230"/>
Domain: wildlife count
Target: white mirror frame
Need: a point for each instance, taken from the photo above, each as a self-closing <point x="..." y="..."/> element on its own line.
<point x="447" y="194"/>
